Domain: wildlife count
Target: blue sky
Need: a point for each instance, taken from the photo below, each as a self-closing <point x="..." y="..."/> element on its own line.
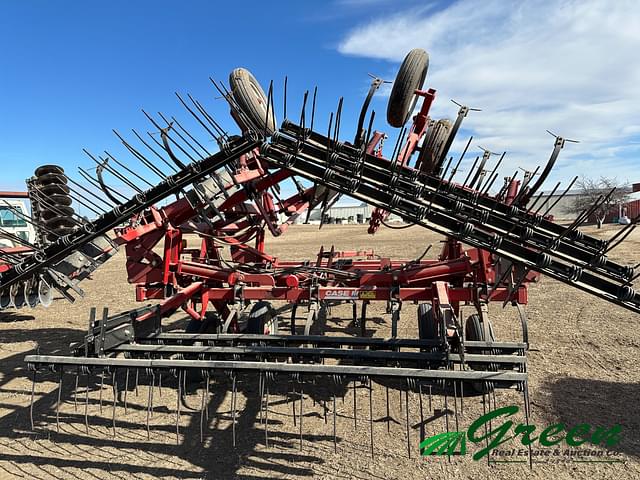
<point x="72" y="71"/>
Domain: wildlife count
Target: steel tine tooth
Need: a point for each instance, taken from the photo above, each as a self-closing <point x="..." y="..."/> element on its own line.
<point x="400" y="398"/>
<point x="178" y="398"/>
<point x="233" y="408"/>
<point x="422" y="432"/>
<point x="324" y="407"/>
<point x="455" y="404"/>
<point x="33" y="393"/>
<point x="266" y="417"/>
<point x="406" y="405"/>
<point x="301" y="403"/>
<point x="154" y="151"/>
<point x="149" y="400"/>
<point x="202" y="408"/>
<point x="464" y="152"/>
<point x="165" y="135"/>
<point x="491" y="182"/>
<point x="335" y="440"/>
<point x="313" y="106"/>
<point x="495" y="170"/>
<point x="461" y="398"/>
<point x="86" y="405"/>
<point x="153" y="387"/>
<point x="475" y="162"/>
<point x="86" y="190"/>
<point x="397" y="144"/>
<point x="388" y="413"/>
<point x="139" y="156"/>
<point x="547" y="199"/>
<point x="293" y="405"/>
<point x="261" y="390"/>
<point x="160" y="384"/>
<point x="101" y="388"/>
<point x="194" y="115"/>
<point x="212" y="121"/>
<point x="269" y="108"/>
<point x="139" y="177"/>
<point x="336" y="127"/>
<point x="137" y="378"/>
<point x="126" y="389"/>
<point x="446" y="413"/>
<point x="75" y="394"/>
<point x="186" y="132"/>
<point x="114" y="383"/>
<point x="355" y="406"/>
<point x="208" y="392"/>
<point x="371" y="414"/>
<point x="58" y="402"/>
<point x="484" y="412"/>
<point x="180" y="136"/>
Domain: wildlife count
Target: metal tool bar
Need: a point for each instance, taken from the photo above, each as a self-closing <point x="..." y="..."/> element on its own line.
<point x="35" y="361"/>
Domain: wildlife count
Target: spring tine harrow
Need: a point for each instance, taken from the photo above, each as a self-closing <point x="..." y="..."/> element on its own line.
<point x="229" y="199"/>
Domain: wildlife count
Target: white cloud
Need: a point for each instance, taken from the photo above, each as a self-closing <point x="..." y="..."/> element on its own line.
<point x="568" y="66"/>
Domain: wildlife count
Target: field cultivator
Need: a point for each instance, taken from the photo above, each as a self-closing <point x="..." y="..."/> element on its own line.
<point x="228" y="283"/>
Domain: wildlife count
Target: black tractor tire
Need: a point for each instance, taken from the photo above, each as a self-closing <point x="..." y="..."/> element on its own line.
<point x="260" y="318"/>
<point x="428" y="327"/>
<point x="474" y="331"/>
<point x="210" y="324"/>
<point x="252" y="100"/>
<point x="410" y="78"/>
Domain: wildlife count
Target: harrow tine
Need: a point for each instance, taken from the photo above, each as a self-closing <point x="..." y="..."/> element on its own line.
<point x="86" y="405"/>
<point x="128" y="169"/>
<point x="388" y="413"/>
<point x="371" y="414"/>
<point x="313" y="107"/>
<point x="153" y="150"/>
<point x="126" y="389"/>
<point x="562" y="195"/>
<point x="209" y="118"/>
<point x="335" y="440"/>
<point x="455" y="403"/>
<point x="75" y="394"/>
<point x="139" y="156"/>
<point x="494" y="171"/>
<point x="355" y="407"/>
<point x="406" y="406"/>
<point x="233" y="407"/>
<point x="33" y="393"/>
<point x="202" y="410"/>
<point x="266" y="419"/>
<point x="446" y="413"/>
<point x="547" y="199"/>
<point x="178" y="398"/>
<point x="180" y="136"/>
<point x="475" y="162"/>
<point x="464" y="152"/>
<point x="114" y="383"/>
<point x="101" y="388"/>
<point x="137" y="378"/>
<point x="269" y="108"/>
<point x="109" y="192"/>
<point x="58" y="402"/>
<point x="261" y="390"/>
<point x="149" y="404"/>
<point x="301" y="403"/>
<point x="525" y="395"/>
<point x="422" y="432"/>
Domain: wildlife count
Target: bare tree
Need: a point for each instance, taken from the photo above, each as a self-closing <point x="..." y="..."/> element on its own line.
<point x="595" y="191"/>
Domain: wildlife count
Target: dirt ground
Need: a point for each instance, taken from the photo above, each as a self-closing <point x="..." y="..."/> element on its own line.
<point x="582" y="369"/>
